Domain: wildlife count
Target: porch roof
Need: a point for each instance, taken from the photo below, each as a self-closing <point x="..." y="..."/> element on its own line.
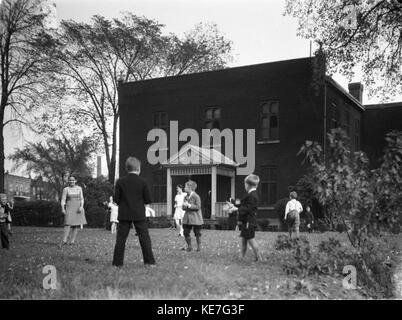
<point x="191" y="155"/>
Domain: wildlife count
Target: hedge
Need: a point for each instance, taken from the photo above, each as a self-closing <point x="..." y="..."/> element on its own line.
<point x="42" y="213"/>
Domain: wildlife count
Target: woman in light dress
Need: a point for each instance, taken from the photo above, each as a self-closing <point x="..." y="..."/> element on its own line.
<point x="179" y="212"/>
<point x="72" y="206"/>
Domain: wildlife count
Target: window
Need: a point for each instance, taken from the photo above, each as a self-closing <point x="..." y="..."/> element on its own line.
<point x="160" y="120"/>
<point x="269" y="121"/>
<point x="334" y="116"/>
<point x="159" y="186"/>
<point x="346" y="126"/>
<point x="212" y="118"/>
<point x="357" y="134"/>
<point x="268" y="185"/>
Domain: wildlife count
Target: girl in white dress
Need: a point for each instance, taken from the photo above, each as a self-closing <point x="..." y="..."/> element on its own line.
<point x="179" y="212"/>
<point x="114" y="211"/>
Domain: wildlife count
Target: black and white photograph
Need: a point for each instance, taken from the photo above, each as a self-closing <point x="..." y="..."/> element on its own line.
<point x="200" y="155"/>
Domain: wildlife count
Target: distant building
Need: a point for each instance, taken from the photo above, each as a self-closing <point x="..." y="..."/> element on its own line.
<point x="21" y="188"/>
<point x="42" y="190"/>
<point x="17" y="187"/>
<point x="378" y="120"/>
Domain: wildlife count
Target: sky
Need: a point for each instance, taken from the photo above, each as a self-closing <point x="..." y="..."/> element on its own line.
<point x="259" y="30"/>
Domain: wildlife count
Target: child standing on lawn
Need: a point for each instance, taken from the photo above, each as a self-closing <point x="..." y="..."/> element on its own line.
<point x="309" y="219"/>
<point x="193" y="215"/>
<point x="247" y="216"/>
<point x="114" y="211"/>
<point x="5" y="220"/>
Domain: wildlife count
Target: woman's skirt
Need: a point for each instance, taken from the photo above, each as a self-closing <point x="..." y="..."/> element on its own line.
<point x="74" y="217"/>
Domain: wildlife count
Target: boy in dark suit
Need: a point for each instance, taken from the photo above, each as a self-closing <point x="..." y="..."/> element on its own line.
<point x="247" y="216"/>
<point x="193" y="215"/>
<point x="131" y="194"/>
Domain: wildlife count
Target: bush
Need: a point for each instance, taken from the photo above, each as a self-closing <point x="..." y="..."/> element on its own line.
<point x="38" y="213"/>
<point x="280" y="207"/>
<point x="96" y="217"/>
<point x="322" y="226"/>
<point x="283" y="242"/>
<point x="263" y="225"/>
<point x="159" y="222"/>
<point x="374" y="272"/>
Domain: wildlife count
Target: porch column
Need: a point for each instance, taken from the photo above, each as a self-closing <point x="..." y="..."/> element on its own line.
<point x="213" y="190"/>
<point x="232" y="186"/>
<point x="168" y="193"/>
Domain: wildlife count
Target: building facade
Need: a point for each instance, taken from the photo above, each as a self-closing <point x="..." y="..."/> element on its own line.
<point x="20" y="188"/>
<point x="282" y="101"/>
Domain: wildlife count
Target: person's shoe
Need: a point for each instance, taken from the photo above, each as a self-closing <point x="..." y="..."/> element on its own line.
<point x="189" y="249"/>
<point x="61" y="245"/>
<point x="150" y="265"/>
<point x="72" y="244"/>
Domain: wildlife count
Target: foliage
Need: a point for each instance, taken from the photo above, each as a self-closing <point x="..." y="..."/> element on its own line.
<point x="96" y="192"/>
<point x="37" y="213"/>
<point x="92" y="60"/>
<point x="283" y="242"/>
<point x="56" y="159"/>
<point x="279" y="208"/>
<point x="355" y="35"/>
<point x="356" y="200"/>
<point x="22" y="39"/>
<point x="387" y="181"/>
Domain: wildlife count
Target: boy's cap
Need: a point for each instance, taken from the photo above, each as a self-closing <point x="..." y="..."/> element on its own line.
<point x="3" y="196"/>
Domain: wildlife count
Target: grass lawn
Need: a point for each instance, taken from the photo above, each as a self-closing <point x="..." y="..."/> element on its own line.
<point x="84" y="271"/>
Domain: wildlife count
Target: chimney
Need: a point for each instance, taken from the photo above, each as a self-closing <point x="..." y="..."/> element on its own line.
<point x="356" y="90"/>
<point x="99" y="166"/>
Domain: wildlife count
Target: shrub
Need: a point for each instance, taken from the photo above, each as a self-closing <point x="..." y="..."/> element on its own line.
<point x="96" y="217"/>
<point x="38" y="213"/>
<point x="357" y="200"/>
<point x="283" y="242"/>
<point x="322" y="226"/>
<point x="159" y="222"/>
<point x="280" y="207"/>
<point x="263" y="225"/>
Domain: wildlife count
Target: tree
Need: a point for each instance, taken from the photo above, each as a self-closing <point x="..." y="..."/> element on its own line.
<point x="21" y="62"/>
<point x="358" y="198"/>
<point x="94" y="58"/>
<point x="356" y="34"/>
<point x="56" y="159"/>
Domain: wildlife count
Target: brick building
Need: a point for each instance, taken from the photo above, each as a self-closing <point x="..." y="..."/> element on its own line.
<point x="378" y="120"/>
<point x="19" y="188"/>
<point x="280" y="100"/>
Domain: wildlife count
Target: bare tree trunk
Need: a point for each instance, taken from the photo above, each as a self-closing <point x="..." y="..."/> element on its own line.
<point x="108" y="157"/>
<point x="2" y="180"/>
<point x="112" y="171"/>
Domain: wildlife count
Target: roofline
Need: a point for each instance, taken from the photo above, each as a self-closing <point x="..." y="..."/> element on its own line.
<point x="215" y="71"/>
<point x="344" y="92"/>
<point x="15" y="175"/>
<point x="384" y="105"/>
